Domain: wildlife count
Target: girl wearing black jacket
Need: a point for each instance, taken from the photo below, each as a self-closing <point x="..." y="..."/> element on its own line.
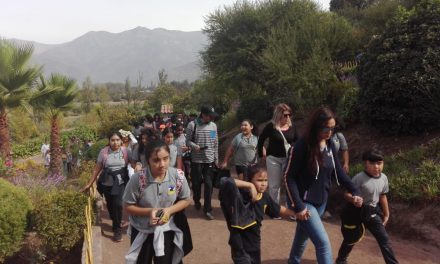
<point x="312" y="165"/>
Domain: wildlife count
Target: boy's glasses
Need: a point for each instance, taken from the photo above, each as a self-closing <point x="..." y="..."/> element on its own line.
<point x="287" y="115"/>
<point x="327" y="129"/>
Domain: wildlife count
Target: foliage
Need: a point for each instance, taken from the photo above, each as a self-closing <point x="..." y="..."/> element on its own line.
<point x="228" y="121"/>
<point x="14" y="209"/>
<point x="414" y="175"/>
<point x="22" y="127"/>
<point x="283" y="49"/>
<point x="82" y="133"/>
<point x="17" y="78"/>
<point x="87" y="167"/>
<point x="400" y="74"/>
<point x="258" y="109"/>
<point x="347" y="108"/>
<point x="59" y="219"/>
<point x="28" y="148"/>
<point x="114" y="117"/>
<point x="93" y="152"/>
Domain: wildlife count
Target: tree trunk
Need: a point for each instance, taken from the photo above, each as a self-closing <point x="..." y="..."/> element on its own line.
<point x="55" y="149"/>
<point x="5" y="145"/>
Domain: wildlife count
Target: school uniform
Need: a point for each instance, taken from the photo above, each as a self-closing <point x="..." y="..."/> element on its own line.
<point x="369" y="216"/>
<point x="243" y="218"/>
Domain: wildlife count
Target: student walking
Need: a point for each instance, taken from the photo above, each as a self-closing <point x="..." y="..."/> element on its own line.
<point x="168" y="138"/>
<point x="152" y="199"/>
<point x="373" y="185"/>
<point x="281" y="133"/>
<point x="244" y="204"/>
<point x="244" y="149"/>
<point x="111" y="167"/>
<point x="309" y="172"/>
<point x="202" y="138"/>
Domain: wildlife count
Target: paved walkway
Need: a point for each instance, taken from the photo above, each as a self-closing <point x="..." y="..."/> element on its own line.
<point x="210" y="239"/>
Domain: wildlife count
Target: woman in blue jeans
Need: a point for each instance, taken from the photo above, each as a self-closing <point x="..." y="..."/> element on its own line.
<point x="312" y="165"/>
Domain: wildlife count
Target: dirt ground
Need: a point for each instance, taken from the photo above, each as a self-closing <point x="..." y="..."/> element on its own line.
<point x="210" y="239"/>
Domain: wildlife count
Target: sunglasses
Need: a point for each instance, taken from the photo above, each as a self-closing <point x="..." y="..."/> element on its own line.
<point x="327" y="129"/>
<point x="287" y="115"/>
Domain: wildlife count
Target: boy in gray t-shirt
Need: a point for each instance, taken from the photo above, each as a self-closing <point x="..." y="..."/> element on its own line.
<point x="373" y="185"/>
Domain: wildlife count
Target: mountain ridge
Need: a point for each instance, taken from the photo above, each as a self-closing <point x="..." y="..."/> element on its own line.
<point x="112" y="57"/>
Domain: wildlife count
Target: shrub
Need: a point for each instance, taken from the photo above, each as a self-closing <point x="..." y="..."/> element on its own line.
<point x="59" y="219"/>
<point x="28" y="148"/>
<point x="228" y="121"/>
<point x="414" y="175"/>
<point x="14" y="208"/>
<point x="114" y="118"/>
<point x="257" y="109"/>
<point x="347" y="107"/>
<point x="93" y="152"/>
<point x="400" y="74"/>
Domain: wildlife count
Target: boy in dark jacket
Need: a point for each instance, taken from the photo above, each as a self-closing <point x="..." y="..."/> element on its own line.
<point x="244" y="205"/>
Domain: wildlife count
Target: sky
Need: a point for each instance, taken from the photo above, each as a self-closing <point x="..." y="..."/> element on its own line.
<point x="58" y="21"/>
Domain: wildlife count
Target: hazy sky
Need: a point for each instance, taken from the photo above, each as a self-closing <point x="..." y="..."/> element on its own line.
<point x="57" y="21"/>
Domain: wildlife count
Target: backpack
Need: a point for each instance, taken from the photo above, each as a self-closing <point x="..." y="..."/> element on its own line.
<point x="179" y="218"/>
<point x="105" y="151"/>
<point x="143" y="182"/>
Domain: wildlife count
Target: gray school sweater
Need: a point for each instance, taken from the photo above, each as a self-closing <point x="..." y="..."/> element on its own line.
<point x="204" y="136"/>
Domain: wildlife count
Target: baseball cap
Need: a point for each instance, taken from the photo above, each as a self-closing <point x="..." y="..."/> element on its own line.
<point x="208" y="110"/>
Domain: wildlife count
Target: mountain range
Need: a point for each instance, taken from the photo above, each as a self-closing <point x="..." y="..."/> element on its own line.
<point x="112" y="57"/>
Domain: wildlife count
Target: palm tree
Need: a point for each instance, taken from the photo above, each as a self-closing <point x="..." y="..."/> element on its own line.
<point x="54" y="104"/>
<point x="17" y="78"/>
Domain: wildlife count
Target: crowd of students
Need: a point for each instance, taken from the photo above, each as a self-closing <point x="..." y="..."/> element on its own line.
<point x="152" y="170"/>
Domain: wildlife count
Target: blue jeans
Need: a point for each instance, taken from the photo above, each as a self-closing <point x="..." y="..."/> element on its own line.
<point x="314" y="229"/>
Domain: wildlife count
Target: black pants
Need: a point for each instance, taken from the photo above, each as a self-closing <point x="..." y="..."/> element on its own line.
<point x="245" y="245"/>
<point x="375" y="226"/>
<point x="147" y="255"/>
<point x="114" y="207"/>
<point x="199" y="172"/>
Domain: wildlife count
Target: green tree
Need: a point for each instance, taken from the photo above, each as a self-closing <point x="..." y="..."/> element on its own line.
<point x="282" y="49"/>
<point x="127" y="88"/>
<point x="17" y="78"/>
<point x="400" y="73"/>
<point x="87" y="95"/>
<point x="55" y="105"/>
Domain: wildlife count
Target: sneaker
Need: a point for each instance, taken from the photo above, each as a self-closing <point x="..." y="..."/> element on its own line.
<point x="209" y="216"/>
<point x="293" y="218"/>
<point x="117" y="235"/>
<point x="198" y="205"/>
<point x="277" y="218"/>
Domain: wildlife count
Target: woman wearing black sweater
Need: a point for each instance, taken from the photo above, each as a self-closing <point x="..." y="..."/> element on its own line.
<point x="312" y="165"/>
<point x="281" y="133"/>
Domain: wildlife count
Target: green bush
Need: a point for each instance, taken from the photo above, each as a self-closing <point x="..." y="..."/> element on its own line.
<point x="414" y="175"/>
<point x="347" y="107"/>
<point x="14" y="208"/>
<point x="93" y="152"/>
<point x="59" y="219"/>
<point x="83" y="133"/>
<point x="112" y="118"/>
<point x="400" y="75"/>
<point x="228" y="121"/>
<point x="28" y="148"/>
<point x="258" y="109"/>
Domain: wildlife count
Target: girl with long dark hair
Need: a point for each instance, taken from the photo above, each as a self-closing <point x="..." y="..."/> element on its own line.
<point x="312" y="166"/>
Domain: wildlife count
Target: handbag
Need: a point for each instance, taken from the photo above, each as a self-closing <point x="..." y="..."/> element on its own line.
<point x="286" y="144"/>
